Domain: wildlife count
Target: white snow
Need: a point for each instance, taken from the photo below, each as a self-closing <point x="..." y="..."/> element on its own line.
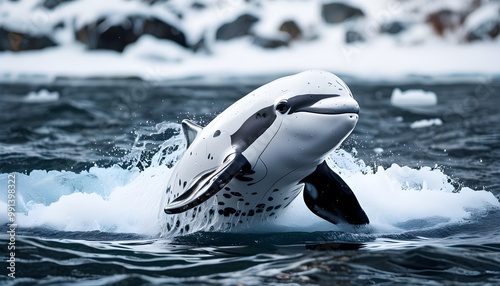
<point x="490" y="12"/>
<point x="413" y="98"/>
<point x="417" y="54"/>
<point x="153" y="49"/>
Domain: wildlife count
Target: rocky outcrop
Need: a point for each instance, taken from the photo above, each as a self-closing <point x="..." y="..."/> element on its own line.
<point x="98" y="35"/>
<point x="241" y="26"/>
<point x="291" y="28"/>
<point x="51" y="4"/>
<point x="483" y="24"/>
<point x="162" y="30"/>
<point x="18" y="41"/>
<point x="101" y="35"/>
<point x="444" y="20"/>
<point x="353" y="36"/>
<point x="334" y="13"/>
<point x="393" y="27"/>
<point x="486" y="31"/>
<point x="165" y="19"/>
<point x="270" y="43"/>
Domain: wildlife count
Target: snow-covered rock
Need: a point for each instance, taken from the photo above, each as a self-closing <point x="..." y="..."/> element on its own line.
<point x="383" y="39"/>
<point x="483" y="23"/>
<point x="338" y="12"/>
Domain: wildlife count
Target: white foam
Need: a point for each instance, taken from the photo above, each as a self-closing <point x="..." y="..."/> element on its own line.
<point x="413" y="98"/>
<point x="112" y="199"/>
<point x="426" y="123"/>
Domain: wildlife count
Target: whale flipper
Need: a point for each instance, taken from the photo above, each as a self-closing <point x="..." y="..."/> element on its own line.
<point x="190" y="130"/>
<point x="329" y="197"/>
<point x="208" y="184"/>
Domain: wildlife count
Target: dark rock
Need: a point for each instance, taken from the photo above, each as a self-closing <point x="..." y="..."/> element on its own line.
<point x="334" y="13"/>
<point x="152" y="2"/>
<point x="162" y="30"/>
<point x="59" y="25"/>
<point x="485" y="31"/>
<point x="269" y="43"/>
<point x="353" y="36"/>
<point x="237" y="28"/>
<point x="118" y="36"/>
<point x="392" y="28"/>
<point x="201" y="46"/>
<point x="198" y="6"/>
<point x="444" y="20"/>
<point x="17" y="41"/>
<point x="51" y="4"/>
<point x="292" y="29"/>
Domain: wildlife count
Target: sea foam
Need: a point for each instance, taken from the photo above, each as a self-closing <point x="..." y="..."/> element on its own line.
<point x="115" y="199"/>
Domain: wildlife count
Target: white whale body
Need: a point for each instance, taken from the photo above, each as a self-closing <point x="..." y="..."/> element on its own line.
<point x="254" y="159"/>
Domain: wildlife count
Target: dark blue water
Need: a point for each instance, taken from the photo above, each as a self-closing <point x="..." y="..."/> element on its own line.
<point x="108" y="124"/>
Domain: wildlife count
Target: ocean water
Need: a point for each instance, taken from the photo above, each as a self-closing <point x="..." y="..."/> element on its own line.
<point x="91" y="160"/>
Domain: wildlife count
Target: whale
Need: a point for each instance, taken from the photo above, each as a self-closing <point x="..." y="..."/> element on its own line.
<point x="257" y="156"/>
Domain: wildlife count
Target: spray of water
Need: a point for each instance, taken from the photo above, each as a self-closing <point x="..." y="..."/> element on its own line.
<point x="129" y="197"/>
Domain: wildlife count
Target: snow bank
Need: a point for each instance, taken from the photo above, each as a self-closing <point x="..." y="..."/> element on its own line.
<point x="415" y="52"/>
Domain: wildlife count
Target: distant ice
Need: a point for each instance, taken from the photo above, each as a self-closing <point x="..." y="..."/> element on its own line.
<point x="426" y="123"/>
<point x="413" y="98"/>
<point x="41" y="96"/>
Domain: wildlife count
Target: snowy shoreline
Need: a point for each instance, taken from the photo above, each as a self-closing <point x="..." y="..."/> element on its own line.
<point x="173" y="42"/>
<point x="372" y="65"/>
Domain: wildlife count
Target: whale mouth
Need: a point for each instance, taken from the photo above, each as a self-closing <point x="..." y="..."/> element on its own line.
<point x="327" y="104"/>
<point x="330" y="111"/>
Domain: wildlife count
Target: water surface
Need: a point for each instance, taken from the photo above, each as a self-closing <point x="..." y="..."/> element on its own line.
<point x="87" y="161"/>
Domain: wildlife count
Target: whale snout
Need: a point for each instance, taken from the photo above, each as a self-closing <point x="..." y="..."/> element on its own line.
<point x="334" y="104"/>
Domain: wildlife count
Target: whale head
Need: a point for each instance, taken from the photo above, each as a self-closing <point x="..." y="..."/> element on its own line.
<point x="304" y="116"/>
<point x="317" y="116"/>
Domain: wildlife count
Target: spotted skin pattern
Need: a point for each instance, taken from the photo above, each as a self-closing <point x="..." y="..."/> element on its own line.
<point x="276" y="136"/>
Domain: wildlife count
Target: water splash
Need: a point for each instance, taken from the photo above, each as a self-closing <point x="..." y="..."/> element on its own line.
<point x="129" y="198"/>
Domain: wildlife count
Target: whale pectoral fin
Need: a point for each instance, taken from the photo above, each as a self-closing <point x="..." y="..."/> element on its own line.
<point x="190" y="130"/>
<point x="209" y="184"/>
<point x="329" y="197"/>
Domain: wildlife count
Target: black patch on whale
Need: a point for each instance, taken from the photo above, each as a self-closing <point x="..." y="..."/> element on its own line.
<point x="329" y="197"/>
<point x="202" y="190"/>
<point x="253" y="128"/>
<point x="304" y="103"/>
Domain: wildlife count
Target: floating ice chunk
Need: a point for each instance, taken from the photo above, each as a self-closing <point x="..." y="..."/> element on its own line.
<point x="41" y="96"/>
<point x="426" y="123"/>
<point x="413" y="98"/>
<point x="378" y="150"/>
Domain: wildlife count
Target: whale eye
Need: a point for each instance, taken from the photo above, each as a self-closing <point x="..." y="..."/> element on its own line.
<point x="282" y="107"/>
